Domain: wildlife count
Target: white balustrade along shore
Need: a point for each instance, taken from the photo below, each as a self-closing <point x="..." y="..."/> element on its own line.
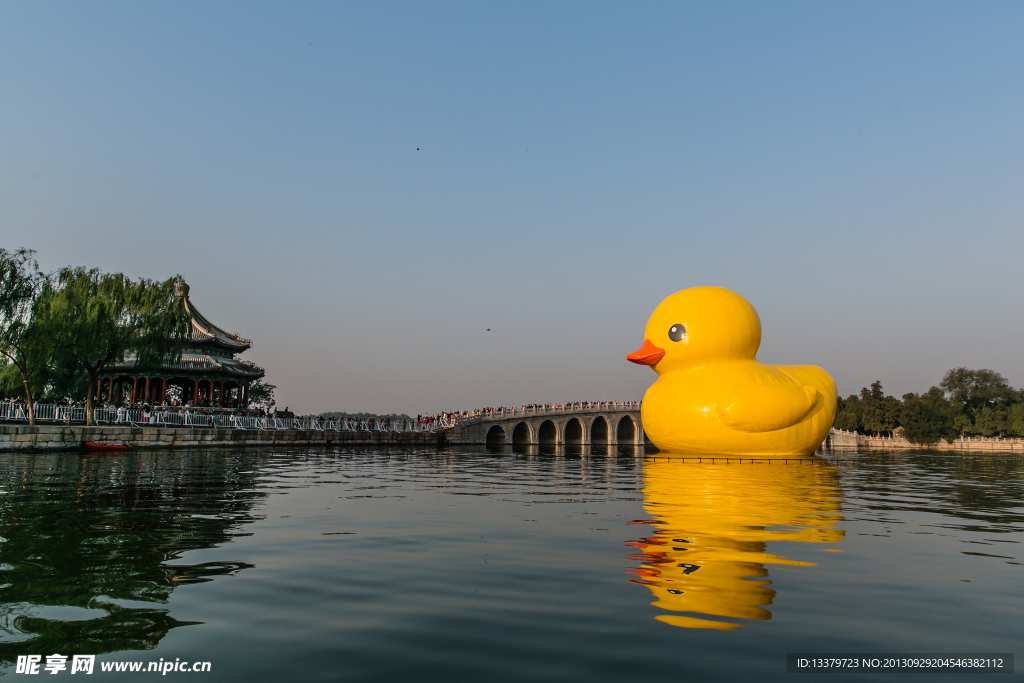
<point x="191" y="417"/>
<point x="844" y="440"/>
<point x="42" y="413"/>
<point x="479" y="415"/>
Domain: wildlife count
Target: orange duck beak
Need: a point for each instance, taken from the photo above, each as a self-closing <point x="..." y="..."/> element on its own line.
<point x="648" y="354"/>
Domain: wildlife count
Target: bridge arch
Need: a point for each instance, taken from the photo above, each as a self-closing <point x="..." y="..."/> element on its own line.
<point x="547" y="433"/>
<point x="599" y="430"/>
<point x="625" y="433"/>
<point x="495" y="436"/>
<point x="573" y="431"/>
<point x="522" y="435"/>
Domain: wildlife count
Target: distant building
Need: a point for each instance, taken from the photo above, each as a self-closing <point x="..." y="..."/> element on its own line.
<point x="207" y="373"/>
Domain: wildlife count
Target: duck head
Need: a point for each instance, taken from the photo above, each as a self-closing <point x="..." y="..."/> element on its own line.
<point x="697" y="325"/>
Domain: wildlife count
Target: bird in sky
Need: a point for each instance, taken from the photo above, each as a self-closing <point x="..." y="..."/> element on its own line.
<point x="488" y="329"/>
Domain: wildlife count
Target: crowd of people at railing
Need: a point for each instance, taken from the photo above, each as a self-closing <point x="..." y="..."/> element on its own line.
<point x="440" y="420"/>
<point x="187" y="415"/>
<point x="166" y="413"/>
<point x="74" y="411"/>
<point x="531" y="408"/>
<point x="451" y="418"/>
<point x="174" y="413"/>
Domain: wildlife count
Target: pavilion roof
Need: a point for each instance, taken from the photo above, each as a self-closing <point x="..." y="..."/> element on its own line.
<point x="192" y="364"/>
<point x="204" y="331"/>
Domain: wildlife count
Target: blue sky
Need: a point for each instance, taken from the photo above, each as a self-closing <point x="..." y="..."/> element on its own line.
<point x="853" y="169"/>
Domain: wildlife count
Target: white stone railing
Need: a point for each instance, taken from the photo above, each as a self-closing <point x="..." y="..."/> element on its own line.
<point x="49" y="412"/>
<point x="196" y="417"/>
<point x="191" y="417"/>
<point x="899" y="437"/>
<point x="492" y="414"/>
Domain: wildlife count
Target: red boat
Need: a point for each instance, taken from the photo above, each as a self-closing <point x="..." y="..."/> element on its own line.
<point x="93" y="446"/>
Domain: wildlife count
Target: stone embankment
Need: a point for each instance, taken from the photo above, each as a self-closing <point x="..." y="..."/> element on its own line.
<point x="58" y="438"/>
<point x="841" y="440"/>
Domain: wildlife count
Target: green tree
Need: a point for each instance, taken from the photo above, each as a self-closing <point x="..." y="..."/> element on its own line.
<point x="1015" y="419"/>
<point x="99" y="319"/>
<point x="926" y="418"/>
<point x="21" y="341"/>
<point x="976" y="389"/>
<point x="990" y="422"/>
<point x="261" y="393"/>
<point x="879" y="413"/>
<point x="848" y="414"/>
<point x="63" y="377"/>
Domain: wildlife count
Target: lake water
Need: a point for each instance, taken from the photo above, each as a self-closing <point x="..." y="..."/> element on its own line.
<point x="328" y="565"/>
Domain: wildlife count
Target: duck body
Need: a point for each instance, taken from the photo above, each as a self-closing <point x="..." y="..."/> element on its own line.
<point x="713" y="396"/>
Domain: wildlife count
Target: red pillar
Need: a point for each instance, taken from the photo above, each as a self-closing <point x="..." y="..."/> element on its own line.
<point x="163" y="390"/>
<point x="195" y="393"/>
<point x="135" y="385"/>
<point x="146" y="395"/>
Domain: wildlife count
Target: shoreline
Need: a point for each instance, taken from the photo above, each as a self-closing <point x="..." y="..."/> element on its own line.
<point x="18" y="438"/>
<point x="25" y="438"/>
<point x="843" y="441"/>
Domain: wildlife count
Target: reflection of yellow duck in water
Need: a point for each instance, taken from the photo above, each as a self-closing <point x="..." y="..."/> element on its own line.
<point x="713" y="396"/>
<point x="711" y="529"/>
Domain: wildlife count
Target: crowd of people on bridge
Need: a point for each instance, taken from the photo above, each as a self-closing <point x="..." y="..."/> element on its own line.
<point x="450" y="418"/>
<point x="570" y="406"/>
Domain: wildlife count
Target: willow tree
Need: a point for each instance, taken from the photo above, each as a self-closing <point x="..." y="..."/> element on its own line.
<point x="20" y="340"/>
<point x="100" y="319"/>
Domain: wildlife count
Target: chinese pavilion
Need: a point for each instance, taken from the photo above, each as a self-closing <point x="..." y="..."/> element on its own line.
<point x="206" y="374"/>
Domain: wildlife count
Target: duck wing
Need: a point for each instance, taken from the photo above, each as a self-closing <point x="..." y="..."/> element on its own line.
<point x="764" y="407"/>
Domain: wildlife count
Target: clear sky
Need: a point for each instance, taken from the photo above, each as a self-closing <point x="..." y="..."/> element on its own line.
<point x="365" y="188"/>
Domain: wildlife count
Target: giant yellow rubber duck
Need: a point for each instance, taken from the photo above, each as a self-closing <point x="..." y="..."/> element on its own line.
<point x="713" y="396"/>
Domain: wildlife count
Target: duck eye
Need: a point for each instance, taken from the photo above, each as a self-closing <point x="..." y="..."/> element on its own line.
<point x="677" y="332"/>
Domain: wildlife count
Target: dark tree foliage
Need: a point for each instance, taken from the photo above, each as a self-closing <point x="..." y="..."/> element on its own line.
<point x="98" y="319"/>
<point x="926" y="418"/>
<point x="261" y="393"/>
<point x="848" y="414"/>
<point x="23" y="345"/>
<point x="966" y="402"/>
<point x="975" y="390"/>
<point x="879" y="413"/>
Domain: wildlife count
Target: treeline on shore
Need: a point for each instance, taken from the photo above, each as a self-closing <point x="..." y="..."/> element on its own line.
<point x="60" y="331"/>
<point x="966" y="403"/>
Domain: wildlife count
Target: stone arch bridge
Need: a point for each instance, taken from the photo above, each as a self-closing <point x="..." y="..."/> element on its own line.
<point x="612" y="423"/>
